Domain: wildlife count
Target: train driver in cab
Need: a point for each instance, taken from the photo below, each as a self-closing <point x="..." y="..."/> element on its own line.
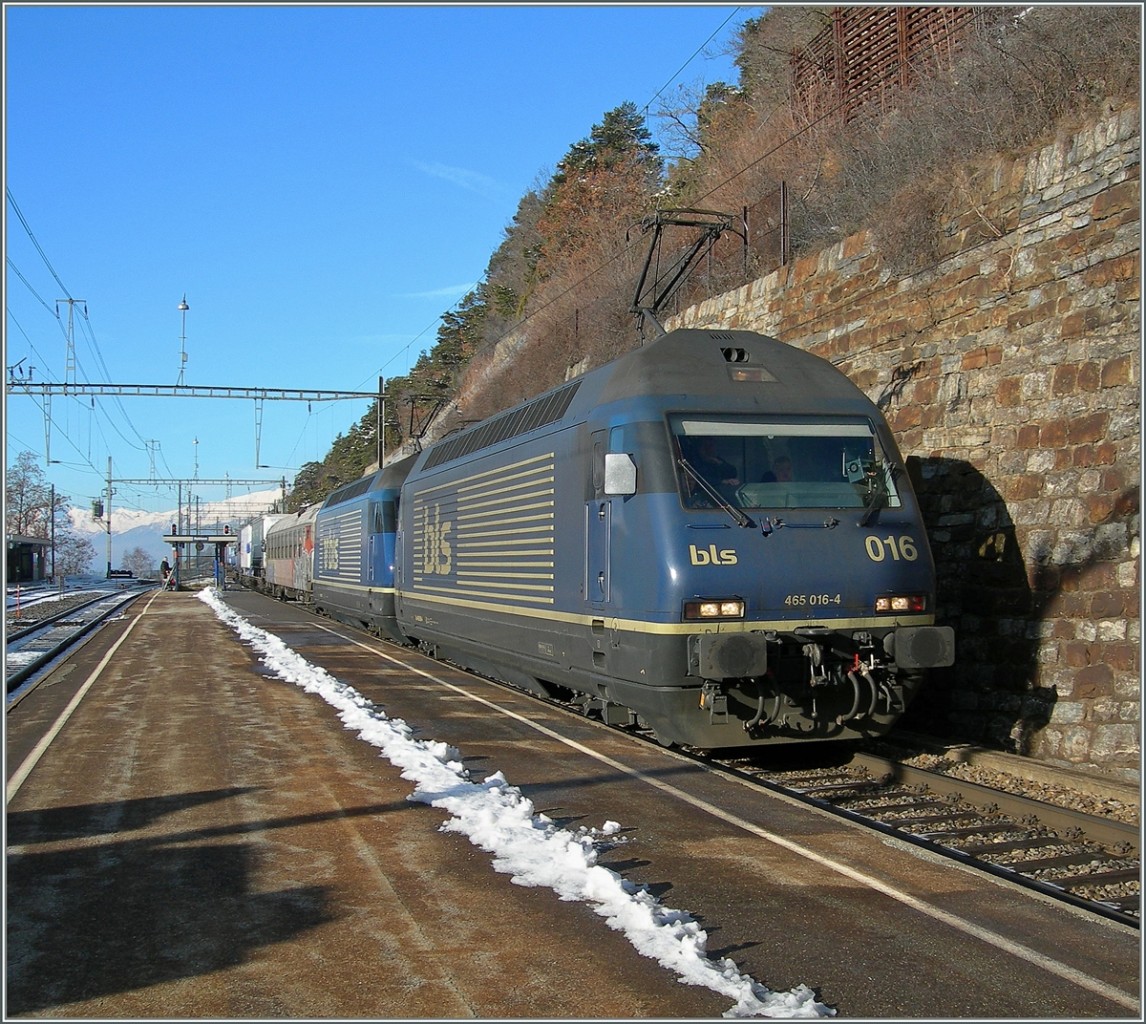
<point x="717" y="471"/>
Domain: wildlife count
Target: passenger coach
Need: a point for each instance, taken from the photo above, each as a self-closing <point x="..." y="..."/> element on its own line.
<point x="288" y="555"/>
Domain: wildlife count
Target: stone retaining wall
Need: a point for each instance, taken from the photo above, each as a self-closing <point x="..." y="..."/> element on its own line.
<point x="1010" y="373"/>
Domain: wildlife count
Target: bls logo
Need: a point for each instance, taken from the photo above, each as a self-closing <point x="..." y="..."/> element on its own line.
<point x="710" y="556"/>
<point x="436" y="547"/>
<point x="330" y="553"/>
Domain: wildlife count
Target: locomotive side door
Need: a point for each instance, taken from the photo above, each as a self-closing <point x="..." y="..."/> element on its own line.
<point x="614" y="479"/>
<point x="598" y="523"/>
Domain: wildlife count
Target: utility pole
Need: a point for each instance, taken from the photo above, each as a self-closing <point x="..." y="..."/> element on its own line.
<point x="108" y="520"/>
<point x="53" y="532"/>
<point x="69" y="370"/>
<point x="70" y="362"/>
<point x="380" y="409"/>
<point x="197" y="521"/>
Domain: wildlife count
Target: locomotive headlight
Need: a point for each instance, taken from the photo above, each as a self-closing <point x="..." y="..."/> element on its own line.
<point x="901" y="603"/>
<point x="715" y="608"/>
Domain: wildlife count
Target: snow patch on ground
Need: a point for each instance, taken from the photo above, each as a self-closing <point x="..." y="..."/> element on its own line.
<point x="527" y="845"/>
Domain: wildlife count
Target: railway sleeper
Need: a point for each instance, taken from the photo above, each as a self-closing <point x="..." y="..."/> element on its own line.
<point x="1011" y="846"/>
<point x="1079" y="858"/>
<point x="916" y="805"/>
<point x="839" y="787"/>
<point x="1127" y="904"/>
<point x="973" y="830"/>
<point x="1099" y="878"/>
<point x="948" y="817"/>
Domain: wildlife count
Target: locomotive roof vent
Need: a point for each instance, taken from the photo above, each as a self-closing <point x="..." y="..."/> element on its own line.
<point x="540" y="412"/>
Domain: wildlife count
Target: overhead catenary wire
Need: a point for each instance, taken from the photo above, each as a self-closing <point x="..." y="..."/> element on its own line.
<point x="88" y="330"/>
<point x="672" y="78"/>
<point x="39" y="248"/>
<point x="627" y="248"/>
<point x="696" y="53"/>
<point x="524" y="320"/>
<point x="35" y="294"/>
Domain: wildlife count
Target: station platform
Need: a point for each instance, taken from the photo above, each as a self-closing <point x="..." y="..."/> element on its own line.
<point x="203" y="838"/>
<point x="205" y="842"/>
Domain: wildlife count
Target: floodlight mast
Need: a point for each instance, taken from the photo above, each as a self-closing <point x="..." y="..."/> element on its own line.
<point x="183" y="307"/>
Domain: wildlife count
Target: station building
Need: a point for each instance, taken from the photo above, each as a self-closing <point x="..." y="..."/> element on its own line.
<point x="27" y="559"/>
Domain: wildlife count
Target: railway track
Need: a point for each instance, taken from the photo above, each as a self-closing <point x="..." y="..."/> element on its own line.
<point x="1087" y="861"/>
<point x="1090" y="862"/>
<point x="1084" y="860"/>
<point x="33" y="645"/>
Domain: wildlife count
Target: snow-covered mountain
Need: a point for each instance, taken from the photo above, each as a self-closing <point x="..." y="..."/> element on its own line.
<point x="133" y="528"/>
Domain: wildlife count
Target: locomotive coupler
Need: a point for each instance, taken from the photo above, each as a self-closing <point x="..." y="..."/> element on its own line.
<point x="865" y="642"/>
<point x="815" y="655"/>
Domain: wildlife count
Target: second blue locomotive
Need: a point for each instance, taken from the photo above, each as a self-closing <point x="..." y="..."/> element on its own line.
<point x="712" y="536"/>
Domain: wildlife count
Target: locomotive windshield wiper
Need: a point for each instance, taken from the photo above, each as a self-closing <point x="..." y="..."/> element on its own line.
<point x="738" y="517"/>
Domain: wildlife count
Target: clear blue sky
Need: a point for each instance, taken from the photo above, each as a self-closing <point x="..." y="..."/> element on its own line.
<point x="322" y="182"/>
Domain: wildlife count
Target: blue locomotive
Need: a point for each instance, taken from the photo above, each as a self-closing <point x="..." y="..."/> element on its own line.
<point x="353" y="578"/>
<point x="712" y="536"/>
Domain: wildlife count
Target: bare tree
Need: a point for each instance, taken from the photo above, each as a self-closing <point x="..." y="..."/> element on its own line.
<point x="139" y="563"/>
<point x="28" y="499"/>
<point x="29" y="512"/>
<point x="74" y="555"/>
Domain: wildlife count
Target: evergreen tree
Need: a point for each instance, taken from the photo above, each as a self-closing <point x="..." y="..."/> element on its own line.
<point x="621" y="138"/>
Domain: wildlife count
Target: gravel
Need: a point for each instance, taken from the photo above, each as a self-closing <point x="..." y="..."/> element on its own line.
<point x="1117" y="805"/>
<point x="43" y="609"/>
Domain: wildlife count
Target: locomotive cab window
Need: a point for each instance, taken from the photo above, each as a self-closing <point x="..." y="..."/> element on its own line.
<point x="753" y="463"/>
